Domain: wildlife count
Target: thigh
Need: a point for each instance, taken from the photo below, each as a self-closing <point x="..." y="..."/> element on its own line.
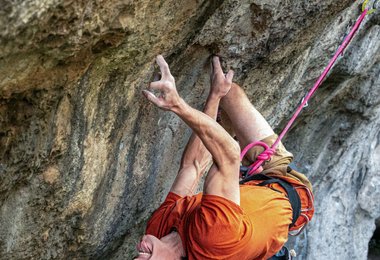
<point x="247" y="122"/>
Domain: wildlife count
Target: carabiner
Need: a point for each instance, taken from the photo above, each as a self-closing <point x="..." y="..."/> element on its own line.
<point x="370" y="10"/>
<point x="306" y="104"/>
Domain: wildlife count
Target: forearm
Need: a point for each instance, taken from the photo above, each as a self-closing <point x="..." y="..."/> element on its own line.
<point x="217" y="141"/>
<point x="195" y="150"/>
<point x="195" y="157"/>
<point x="223" y="177"/>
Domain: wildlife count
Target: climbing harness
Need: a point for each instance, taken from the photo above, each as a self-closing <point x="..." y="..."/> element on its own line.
<point x="269" y="151"/>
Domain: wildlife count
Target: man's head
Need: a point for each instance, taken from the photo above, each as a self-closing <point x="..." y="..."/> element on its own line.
<point x="169" y="247"/>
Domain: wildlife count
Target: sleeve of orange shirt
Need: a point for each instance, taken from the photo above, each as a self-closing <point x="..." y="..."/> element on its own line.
<point x="160" y="223"/>
<point x="217" y="228"/>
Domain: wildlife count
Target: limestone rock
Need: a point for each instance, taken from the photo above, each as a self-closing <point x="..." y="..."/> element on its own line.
<point x="84" y="159"/>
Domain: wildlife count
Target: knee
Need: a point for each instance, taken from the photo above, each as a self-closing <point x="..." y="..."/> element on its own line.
<point x="236" y="86"/>
<point x="237" y="91"/>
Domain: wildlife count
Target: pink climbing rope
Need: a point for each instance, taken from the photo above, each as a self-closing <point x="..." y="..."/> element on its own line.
<point x="269" y="151"/>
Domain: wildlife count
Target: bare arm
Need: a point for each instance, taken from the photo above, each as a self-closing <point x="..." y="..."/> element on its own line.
<point x="196" y="157"/>
<point x="195" y="150"/>
<point x="217" y="141"/>
<point x="220" y="86"/>
<point x="194" y="160"/>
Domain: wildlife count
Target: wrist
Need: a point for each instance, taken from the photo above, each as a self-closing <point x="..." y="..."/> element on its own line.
<point x="214" y="96"/>
<point x="179" y="107"/>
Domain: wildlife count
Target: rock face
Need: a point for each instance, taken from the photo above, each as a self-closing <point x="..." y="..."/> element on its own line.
<point x="84" y="160"/>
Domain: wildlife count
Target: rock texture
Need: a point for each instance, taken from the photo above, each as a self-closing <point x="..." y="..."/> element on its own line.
<point x="84" y="160"/>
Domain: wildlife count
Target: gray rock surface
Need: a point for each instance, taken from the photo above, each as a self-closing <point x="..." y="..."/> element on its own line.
<point x="84" y="160"/>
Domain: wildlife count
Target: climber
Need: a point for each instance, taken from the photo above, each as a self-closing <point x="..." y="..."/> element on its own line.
<point x="227" y="220"/>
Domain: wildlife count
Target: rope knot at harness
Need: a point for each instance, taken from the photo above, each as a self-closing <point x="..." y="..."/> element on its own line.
<point x="261" y="158"/>
<point x="266" y="155"/>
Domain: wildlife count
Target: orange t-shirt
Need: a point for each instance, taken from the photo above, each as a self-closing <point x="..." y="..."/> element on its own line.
<point x="213" y="227"/>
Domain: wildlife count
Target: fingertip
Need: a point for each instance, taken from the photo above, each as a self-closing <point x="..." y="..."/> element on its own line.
<point x="144" y="92"/>
<point x="230" y="75"/>
<point x="156" y="85"/>
<point x="215" y="60"/>
<point x="160" y="60"/>
<point x="149" y="95"/>
<point x="217" y="68"/>
<point x="164" y="66"/>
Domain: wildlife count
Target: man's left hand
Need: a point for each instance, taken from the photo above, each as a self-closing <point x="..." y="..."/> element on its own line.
<point x="168" y="97"/>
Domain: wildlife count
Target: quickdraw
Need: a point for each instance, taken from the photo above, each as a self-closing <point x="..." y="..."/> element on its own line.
<point x="370" y="10"/>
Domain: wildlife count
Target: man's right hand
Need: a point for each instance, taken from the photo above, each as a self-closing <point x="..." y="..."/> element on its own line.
<point x="220" y="83"/>
<point x="169" y="97"/>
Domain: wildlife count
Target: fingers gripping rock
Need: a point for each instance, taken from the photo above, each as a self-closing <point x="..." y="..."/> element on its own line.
<point x="168" y="97"/>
